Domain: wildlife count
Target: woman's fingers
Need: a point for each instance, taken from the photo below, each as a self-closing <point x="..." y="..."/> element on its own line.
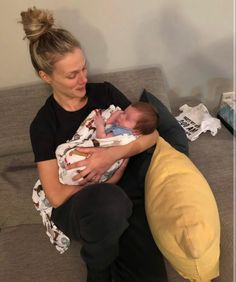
<point x="82" y="174"/>
<point x="87" y="176"/>
<point x="89" y="150"/>
<point x="124" y="163"/>
<point x="99" y="161"/>
<point x="79" y="164"/>
<point x="83" y="163"/>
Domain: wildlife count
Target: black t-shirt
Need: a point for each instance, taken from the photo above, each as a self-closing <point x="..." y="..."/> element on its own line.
<point x="53" y="125"/>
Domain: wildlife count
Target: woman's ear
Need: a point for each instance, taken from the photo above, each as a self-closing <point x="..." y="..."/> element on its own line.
<point x="44" y="76"/>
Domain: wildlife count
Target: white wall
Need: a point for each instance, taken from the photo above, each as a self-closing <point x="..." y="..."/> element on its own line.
<point x="191" y="40"/>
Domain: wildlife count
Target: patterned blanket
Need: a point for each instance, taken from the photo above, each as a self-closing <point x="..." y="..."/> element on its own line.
<point x="85" y="136"/>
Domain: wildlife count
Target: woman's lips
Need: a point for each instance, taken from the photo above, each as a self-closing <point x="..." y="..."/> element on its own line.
<point x="80" y="88"/>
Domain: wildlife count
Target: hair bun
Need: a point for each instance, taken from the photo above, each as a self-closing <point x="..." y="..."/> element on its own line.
<point x="36" y="22"/>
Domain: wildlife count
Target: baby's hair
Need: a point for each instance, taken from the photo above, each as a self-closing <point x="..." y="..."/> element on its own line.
<point x="149" y="118"/>
<point x="47" y="43"/>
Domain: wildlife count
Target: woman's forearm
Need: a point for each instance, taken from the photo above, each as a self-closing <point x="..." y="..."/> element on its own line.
<point x="141" y="144"/>
<point x="56" y="192"/>
<point x="101" y="159"/>
<point x="61" y="194"/>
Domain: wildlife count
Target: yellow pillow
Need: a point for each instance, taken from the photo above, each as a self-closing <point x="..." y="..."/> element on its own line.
<point x="182" y="214"/>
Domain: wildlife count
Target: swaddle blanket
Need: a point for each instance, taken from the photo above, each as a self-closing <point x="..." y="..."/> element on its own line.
<point x="42" y="205"/>
<point x="196" y="120"/>
<point x="83" y="137"/>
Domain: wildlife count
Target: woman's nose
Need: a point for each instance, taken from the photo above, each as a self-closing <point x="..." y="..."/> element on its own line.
<point x="82" y="78"/>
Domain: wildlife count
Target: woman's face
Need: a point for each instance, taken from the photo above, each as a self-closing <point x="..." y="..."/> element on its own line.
<point x="69" y="76"/>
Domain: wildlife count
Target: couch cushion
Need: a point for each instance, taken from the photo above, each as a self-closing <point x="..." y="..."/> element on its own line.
<point x="18" y="175"/>
<point x="27" y="255"/>
<point x="18" y="107"/>
<point x="215" y="159"/>
<point x="217" y="166"/>
<point x="132" y="83"/>
<point x="182" y="214"/>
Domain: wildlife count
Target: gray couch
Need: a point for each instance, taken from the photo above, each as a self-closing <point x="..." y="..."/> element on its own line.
<point x="26" y="255"/>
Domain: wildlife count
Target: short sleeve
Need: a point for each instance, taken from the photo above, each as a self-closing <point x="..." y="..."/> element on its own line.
<point x="117" y="97"/>
<point x="42" y="141"/>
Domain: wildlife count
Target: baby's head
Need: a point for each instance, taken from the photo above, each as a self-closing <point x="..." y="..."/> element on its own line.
<point x="141" y="117"/>
<point x="148" y="118"/>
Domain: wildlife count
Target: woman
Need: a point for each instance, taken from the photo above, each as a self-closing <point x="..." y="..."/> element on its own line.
<point x="96" y="214"/>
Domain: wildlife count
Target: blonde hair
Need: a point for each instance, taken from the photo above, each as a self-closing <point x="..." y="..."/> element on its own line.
<point x="47" y="43"/>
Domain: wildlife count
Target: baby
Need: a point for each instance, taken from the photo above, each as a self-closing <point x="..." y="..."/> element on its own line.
<point x="110" y="127"/>
<point x="138" y="118"/>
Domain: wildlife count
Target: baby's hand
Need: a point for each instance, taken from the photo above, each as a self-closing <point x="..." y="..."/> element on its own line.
<point x="98" y="120"/>
<point x="113" y="118"/>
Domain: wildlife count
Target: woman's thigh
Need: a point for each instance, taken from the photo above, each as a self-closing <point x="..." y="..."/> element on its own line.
<point x="139" y="258"/>
<point x="94" y="211"/>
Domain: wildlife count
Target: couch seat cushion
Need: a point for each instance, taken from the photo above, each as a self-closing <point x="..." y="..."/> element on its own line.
<point x="27" y="255"/>
<point x="18" y="175"/>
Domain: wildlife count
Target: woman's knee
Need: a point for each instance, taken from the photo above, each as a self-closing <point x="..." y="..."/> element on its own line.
<point x="105" y="209"/>
<point x="99" y="198"/>
<point x="112" y="197"/>
<point x="112" y="203"/>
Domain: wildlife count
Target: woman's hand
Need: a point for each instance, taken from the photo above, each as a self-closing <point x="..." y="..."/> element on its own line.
<point x="99" y="161"/>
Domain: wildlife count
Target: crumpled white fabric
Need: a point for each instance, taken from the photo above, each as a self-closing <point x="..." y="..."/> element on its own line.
<point x="56" y="236"/>
<point x="197" y="120"/>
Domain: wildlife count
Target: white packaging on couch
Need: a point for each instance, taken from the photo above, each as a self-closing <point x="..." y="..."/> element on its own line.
<point x="196" y="120"/>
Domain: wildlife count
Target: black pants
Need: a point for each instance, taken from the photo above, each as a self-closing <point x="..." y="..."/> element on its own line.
<point x="96" y="216"/>
<point x="100" y="217"/>
<point x="139" y="258"/>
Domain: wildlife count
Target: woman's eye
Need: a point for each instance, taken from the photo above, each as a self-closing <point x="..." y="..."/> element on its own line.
<point x="71" y="76"/>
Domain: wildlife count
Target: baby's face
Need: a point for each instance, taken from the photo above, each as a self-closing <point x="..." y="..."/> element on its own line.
<point x="128" y="118"/>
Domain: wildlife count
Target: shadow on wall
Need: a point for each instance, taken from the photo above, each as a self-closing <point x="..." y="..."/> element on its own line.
<point x="215" y="87"/>
<point x="200" y="76"/>
<point x="90" y="38"/>
<point x="194" y="65"/>
<point x="178" y="36"/>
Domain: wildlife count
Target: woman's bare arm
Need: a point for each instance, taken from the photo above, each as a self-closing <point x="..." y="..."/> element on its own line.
<point x="119" y="173"/>
<point x="101" y="159"/>
<point x="56" y="192"/>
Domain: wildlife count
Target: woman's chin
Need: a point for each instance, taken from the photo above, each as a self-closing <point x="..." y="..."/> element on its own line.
<point x="80" y="92"/>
